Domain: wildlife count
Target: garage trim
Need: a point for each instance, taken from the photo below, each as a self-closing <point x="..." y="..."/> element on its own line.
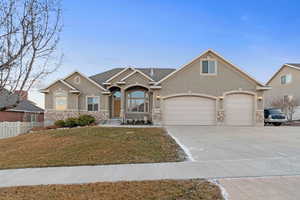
<point x="190" y="94"/>
<point x="246" y="93"/>
<point x="200" y="95"/>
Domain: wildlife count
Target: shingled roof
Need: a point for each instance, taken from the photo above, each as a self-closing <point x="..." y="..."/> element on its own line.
<point x="294" y="64"/>
<point x="155" y="73"/>
<point x="7" y="100"/>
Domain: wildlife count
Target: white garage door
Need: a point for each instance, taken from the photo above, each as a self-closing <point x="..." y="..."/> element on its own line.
<point x="239" y="109"/>
<point x="191" y="110"/>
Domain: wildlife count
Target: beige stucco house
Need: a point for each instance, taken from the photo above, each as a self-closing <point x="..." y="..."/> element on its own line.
<point x="209" y="90"/>
<point x="285" y="86"/>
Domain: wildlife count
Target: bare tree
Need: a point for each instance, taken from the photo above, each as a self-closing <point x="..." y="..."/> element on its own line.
<point x="288" y="105"/>
<point x="29" y="35"/>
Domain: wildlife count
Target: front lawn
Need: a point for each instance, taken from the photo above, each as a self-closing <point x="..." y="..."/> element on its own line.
<point x="138" y="190"/>
<point x="88" y="146"/>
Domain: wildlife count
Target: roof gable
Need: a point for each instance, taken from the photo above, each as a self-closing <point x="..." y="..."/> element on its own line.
<point x="64" y="83"/>
<point x="294" y="66"/>
<point x="154" y="73"/>
<point x="137" y="71"/>
<point x="246" y="75"/>
<point x="118" y="74"/>
<point x="72" y="87"/>
<point x="89" y="79"/>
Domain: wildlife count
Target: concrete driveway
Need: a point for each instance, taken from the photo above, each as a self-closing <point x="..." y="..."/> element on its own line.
<point x="238" y="143"/>
<point x="261" y="162"/>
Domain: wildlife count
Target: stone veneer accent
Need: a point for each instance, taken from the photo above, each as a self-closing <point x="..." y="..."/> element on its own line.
<point x="53" y="115"/>
<point x="220" y="117"/>
<point x="260" y="118"/>
<point x="156" y="116"/>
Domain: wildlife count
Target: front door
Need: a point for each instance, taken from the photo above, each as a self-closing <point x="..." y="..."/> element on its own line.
<point x="116" y="104"/>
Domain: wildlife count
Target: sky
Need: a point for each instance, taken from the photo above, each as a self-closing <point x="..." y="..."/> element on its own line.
<point x="258" y="36"/>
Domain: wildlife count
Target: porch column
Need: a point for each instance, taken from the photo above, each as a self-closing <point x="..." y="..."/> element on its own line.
<point x="122" y="110"/>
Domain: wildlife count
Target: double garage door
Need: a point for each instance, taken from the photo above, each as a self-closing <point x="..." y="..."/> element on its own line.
<point x="198" y="110"/>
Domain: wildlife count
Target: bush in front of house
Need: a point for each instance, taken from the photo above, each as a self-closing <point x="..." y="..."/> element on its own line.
<point x="85" y="120"/>
<point x="82" y="120"/>
<point x="60" y="123"/>
<point x="71" y="122"/>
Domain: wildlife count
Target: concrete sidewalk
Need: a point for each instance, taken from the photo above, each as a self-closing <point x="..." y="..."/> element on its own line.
<point x="263" y="188"/>
<point x="183" y="170"/>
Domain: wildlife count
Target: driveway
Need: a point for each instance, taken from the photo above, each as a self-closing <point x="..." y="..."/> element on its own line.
<point x="259" y="162"/>
<point x="239" y="143"/>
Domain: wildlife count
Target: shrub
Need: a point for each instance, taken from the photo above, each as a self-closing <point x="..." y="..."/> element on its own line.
<point x="71" y="122"/>
<point x="60" y="123"/>
<point x="85" y="120"/>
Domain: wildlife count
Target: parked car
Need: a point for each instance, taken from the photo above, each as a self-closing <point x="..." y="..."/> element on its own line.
<point x="274" y="116"/>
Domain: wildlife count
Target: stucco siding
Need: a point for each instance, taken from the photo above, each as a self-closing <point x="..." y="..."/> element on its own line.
<point x="49" y="97"/>
<point x="189" y="80"/>
<point x="86" y="88"/>
<point x="137" y="79"/>
<point x="278" y="90"/>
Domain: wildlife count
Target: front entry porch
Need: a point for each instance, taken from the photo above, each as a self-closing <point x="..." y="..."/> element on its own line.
<point x="130" y="104"/>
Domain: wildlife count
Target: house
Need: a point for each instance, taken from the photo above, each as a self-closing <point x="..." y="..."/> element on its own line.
<point x="209" y="90"/>
<point x="24" y="111"/>
<point x="285" y="86"/>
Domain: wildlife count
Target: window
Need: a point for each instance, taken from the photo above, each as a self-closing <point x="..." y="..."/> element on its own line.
<point x="93" y="103"/>
<point x="209" y="67"/>
<point x="61" y="100"/>
<point x="285" y="79"/>
<point x="138" y="101"/>
<point x="77" y="80"/>
<point x="31" y="117"/>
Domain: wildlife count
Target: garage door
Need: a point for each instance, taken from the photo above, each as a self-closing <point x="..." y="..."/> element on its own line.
<point x="191" y="110"/>
<point x="239" y="109"/>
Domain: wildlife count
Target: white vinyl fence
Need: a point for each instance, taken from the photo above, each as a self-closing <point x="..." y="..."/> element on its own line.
<point x="11" y="129"/>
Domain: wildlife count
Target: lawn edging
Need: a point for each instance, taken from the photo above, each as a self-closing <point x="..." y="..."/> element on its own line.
<point x="223" y="190"/>
<point x="182" y="146"/>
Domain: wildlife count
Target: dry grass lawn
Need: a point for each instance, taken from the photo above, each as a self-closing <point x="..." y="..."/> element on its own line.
<point x="88" y="146"/>
<point x="143" y="190"/>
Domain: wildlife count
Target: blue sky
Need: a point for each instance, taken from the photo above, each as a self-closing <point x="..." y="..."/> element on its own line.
<point x="257" y="36"/>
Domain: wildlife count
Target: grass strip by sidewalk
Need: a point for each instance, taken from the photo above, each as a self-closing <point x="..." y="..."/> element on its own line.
<point x="138" y="190"/>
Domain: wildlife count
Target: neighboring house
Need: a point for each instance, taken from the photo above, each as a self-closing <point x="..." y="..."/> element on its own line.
<point x="209" y="90"/>
<point x="24" y="111"/>
<point x="285" y="86"/>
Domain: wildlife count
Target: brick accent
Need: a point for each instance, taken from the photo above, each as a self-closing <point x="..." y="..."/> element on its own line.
<point x="12" y="116"/>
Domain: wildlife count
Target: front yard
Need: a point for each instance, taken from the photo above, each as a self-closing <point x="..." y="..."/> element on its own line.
<point x="139" y="190"/>
<point x="88" y="146"/>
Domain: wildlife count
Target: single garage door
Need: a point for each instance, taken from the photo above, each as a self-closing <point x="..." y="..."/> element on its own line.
<point x="189" y="110"/>
<point x="239" y="109"/>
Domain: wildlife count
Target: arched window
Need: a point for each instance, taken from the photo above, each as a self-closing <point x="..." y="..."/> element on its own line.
<point x="138" y="101"/>
<point x="60" y="99"/>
